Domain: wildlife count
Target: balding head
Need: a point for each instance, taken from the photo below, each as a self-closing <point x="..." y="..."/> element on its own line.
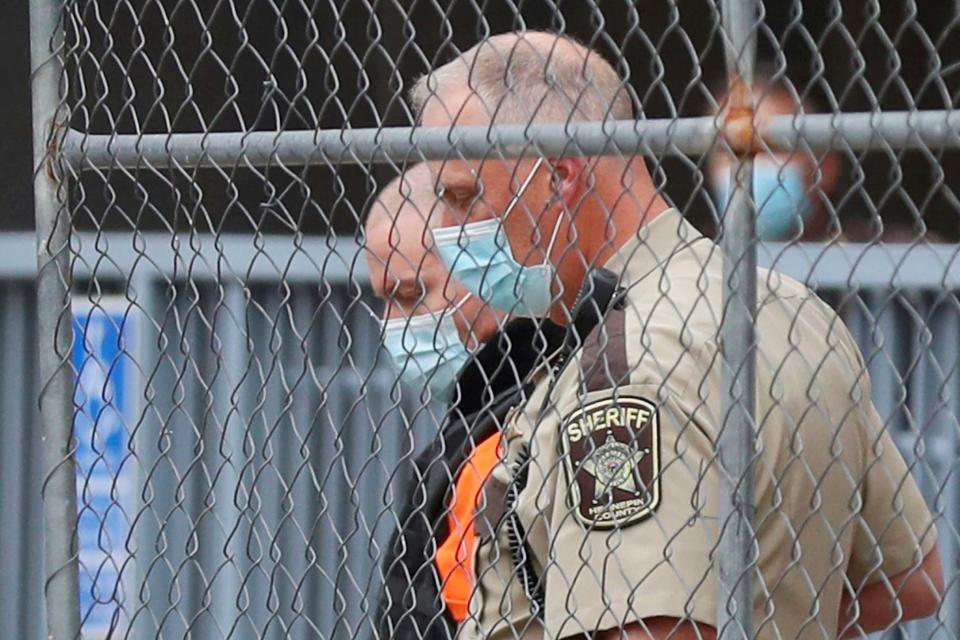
<point x="404" y="269"/>
<point x="573" y="212"/>
<point x="398" y="241"/>
<point x="408" y="200"/>
<point x="533" y="76"/>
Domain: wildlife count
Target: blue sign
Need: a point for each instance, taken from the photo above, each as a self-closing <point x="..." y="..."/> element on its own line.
<point x="105" y="400"/>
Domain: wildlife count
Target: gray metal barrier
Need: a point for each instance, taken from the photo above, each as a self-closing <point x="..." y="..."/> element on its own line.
<point x="307" y="495"/>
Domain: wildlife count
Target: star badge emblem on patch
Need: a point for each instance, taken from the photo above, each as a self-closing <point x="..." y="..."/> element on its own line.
<point x="611" y="449"/>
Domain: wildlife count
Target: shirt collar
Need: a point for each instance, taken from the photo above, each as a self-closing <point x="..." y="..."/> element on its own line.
<point x="649" y="249"/>
<point x="652" y="246"/>
<point x="546" y="363"/>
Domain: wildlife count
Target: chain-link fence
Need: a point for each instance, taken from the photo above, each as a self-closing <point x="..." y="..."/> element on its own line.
<point x="352" y="327"/>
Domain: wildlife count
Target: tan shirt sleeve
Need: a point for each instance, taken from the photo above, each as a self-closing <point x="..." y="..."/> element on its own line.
<point x="631" y="531"/>
<point x="895" y="530"/>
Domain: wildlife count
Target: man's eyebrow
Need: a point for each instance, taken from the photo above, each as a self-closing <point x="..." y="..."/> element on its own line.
<point x="394" y="285"/>
<point x="390" y="285"/>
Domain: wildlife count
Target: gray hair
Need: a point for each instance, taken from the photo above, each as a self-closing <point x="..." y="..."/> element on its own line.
<point x="535" y="76"/>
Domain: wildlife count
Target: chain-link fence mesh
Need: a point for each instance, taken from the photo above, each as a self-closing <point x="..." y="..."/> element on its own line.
<point x="268" y="328"/>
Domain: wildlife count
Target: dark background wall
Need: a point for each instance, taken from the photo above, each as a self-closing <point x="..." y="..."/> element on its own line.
<point x="192" y="66"/>
<point x="16" y="188"/>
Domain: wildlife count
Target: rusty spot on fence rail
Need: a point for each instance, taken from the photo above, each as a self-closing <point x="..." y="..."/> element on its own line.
<point x="57" y="130"/>
<point x="738" y="119"/>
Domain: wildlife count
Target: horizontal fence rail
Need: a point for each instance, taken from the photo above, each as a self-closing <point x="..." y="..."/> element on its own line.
<point x="691" y="136"/>
<point x="313" y="260"/>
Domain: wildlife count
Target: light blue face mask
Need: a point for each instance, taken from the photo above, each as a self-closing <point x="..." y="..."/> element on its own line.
<point x="780" y="193"/>
<point x="478" y="254"/>
<point x="427" y="352"/>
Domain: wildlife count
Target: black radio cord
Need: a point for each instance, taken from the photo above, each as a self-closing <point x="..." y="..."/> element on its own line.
<point x="517" y="539"/>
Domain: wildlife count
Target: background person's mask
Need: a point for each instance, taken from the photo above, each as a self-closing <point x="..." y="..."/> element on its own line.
<point x="478" y="254"/>
<point x="780" y="193"/>
<point x="427" y="351"/>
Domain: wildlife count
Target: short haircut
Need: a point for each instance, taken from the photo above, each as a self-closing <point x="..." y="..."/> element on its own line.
<point x="533" y="76"/>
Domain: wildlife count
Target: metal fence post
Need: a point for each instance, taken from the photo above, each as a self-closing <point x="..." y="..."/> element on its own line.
<point x="55" y="333"/>
<point x="736" y="440"/>
<point x="263" y="441"/>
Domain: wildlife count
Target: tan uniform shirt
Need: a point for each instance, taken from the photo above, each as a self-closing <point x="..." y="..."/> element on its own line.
<point x="619" y="509"/>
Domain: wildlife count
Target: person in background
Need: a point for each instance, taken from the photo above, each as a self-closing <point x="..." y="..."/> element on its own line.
<point x="448" y="346"/>
<point x="791" y="189"/>
<point x="431" y="322"/>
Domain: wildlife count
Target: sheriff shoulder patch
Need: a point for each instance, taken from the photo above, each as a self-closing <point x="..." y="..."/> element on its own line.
<point x="611" y="449"/>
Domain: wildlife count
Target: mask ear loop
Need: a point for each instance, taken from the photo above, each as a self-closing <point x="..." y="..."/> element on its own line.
<point x="547" y="260"/>
<point x="516" y="200"/>
<point x="456" y="309"/>
<point x="462" y="301"/>
<point x="451" y="311"/>
<point x="553" y="238"/>
<point x="522" y="189"/>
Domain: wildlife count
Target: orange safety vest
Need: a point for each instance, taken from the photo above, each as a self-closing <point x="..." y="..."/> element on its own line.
<point x="454" y="559"/>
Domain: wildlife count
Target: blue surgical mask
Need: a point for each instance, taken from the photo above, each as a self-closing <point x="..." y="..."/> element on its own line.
<point x="780" y="193"/>
<point x="478" y="254"/>
<point x="426" y="350"/>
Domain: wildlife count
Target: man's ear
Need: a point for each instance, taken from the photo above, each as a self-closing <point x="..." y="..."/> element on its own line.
<point x="568" y="180"/>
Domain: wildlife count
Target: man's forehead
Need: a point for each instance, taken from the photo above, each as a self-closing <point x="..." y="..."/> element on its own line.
<point x="398" y="235"/>
<point x="481" y="173"/>
<point x="406" y="199"/>
<point x="404" y="232"/>
<point x="462" y="107"/>
<point x="406" y="209"/>
<point x="413" y="185"/>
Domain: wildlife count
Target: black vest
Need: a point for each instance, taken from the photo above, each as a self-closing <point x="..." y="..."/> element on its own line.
<point x="410" y="606"/>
